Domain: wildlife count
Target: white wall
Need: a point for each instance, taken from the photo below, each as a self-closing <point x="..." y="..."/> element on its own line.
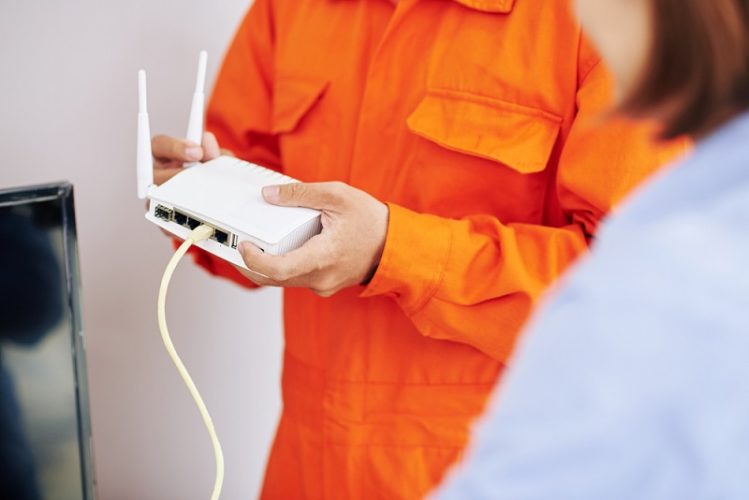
<point x="68" y="111"/>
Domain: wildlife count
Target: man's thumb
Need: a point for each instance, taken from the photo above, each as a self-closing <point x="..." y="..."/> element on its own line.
<point x="299" y="194"/>
<point x="271" y="194"/>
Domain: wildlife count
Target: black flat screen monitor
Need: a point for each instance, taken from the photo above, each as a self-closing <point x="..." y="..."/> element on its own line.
<point x="45" y="432"/>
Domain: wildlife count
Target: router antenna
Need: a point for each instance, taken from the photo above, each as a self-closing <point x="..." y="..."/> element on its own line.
<point x="144" y="163"/>
<point x="195" y="125"/>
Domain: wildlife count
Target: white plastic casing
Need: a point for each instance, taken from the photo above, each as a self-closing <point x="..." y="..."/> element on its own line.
<point x="197" y="109"/>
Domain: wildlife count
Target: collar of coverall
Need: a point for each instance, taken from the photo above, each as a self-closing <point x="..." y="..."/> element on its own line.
<point x="495" y="6"/>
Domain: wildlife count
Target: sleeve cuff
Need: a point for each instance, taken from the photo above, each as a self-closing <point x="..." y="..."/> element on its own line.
<point x="414" y="258"/>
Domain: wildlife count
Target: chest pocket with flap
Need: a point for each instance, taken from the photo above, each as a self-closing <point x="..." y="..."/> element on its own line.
<point x="293" y="98"/>
<point x="516" y="136"/>
<point x="480" y="155"/>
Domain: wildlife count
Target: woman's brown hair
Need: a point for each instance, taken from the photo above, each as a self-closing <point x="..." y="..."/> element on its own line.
<point x="697" y="76"/>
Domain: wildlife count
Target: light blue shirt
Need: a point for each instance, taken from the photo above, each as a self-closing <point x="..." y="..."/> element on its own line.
<point x="633" y="381"/>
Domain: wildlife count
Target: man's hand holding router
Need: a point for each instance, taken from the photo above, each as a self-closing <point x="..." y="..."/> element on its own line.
<point x="345" y="253"/>
<point x="347" y="250"/>
<point x="170" y="154"/>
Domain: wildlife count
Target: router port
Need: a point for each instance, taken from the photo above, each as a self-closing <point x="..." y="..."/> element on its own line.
<point x="161" y="212"/>
<point x="220" y="236"/>
<point x="180" y="218"/>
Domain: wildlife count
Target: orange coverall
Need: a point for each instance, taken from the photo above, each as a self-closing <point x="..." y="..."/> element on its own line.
<point x="468" y="118"/>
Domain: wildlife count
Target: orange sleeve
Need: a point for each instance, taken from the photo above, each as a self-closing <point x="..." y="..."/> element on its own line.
<point x="239" y="111"/>
<point x="476" y="280"/>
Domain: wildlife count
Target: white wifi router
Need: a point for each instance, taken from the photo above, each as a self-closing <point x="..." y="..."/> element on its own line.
<point x="224" y="194"/>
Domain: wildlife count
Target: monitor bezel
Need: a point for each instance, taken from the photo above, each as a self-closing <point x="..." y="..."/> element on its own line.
<point x="63" y="193"/>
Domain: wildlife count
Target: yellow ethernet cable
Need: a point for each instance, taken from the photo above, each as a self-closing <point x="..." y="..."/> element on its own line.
<point x="200" y="233"/>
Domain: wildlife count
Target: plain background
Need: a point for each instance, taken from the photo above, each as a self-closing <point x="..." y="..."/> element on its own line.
<point x="68" y="104"/>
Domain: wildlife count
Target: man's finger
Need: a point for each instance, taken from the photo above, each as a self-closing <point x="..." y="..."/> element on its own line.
<point x="319" y="195"/>
<point x="259" y="279"/>
<point x="283" y="268"/>
<point x="161" y="175"/>
<point x="256" y="278"/>
<point x="211" y="151"/>
<point x="263" y="280"/>
<point x="170" y="148"/>
<point x="166" y="163"/>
